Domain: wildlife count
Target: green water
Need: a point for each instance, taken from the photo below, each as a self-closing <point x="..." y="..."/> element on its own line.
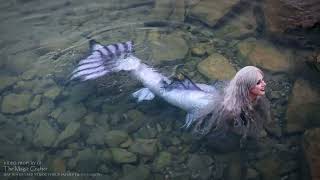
<point x="95" y="130"/>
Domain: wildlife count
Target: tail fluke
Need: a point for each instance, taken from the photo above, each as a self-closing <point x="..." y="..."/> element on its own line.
<point x="102" y="60"/>
<point x="143" y="94"/>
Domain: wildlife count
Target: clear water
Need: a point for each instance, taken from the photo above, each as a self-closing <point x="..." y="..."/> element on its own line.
<point x="66" y="128"/>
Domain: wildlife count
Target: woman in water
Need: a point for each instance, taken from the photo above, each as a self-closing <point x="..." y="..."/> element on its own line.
<point x="239" y="109"/>
<point x="242" y="111"/>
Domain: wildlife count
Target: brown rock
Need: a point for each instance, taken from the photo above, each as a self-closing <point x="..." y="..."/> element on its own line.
<point x="290" y="19"/>
<point x="210" y="12"/>
<point x="303" y="108"/>
<point x="311" y="148"/>
<point x="263" y="54"/>
<point x="216" y="66"/>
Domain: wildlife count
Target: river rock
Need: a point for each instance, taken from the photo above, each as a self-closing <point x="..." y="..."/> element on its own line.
<point x="147" y="147"/>
<point x="167" y="47"/>
<point x="97" y="136"/>
<point x="6" y="82"/>
<point x="303" y="107"/>
<point x="87" y="160"/>
<point x="293" y="20"/>
<point x="210" y="12"/>
<point x="45" y="135"/>
<point x="216" y="66"/>
<point x="115" y="138"/>
<point x="311" y="146"/>
<point x="269" y="168"/>
<point x="239" y="26"/>
<point x="72" y="112"/>
<point x="163" y="160"/>
<point x="263" y="54"/>
<point x="122" y="156"/>
<point x="141" y="172"/>
<point x="53" y="92"/>
<point x="16" y="103"/>
<point x="168" y="10"/>
<point x="70" y="133"/>
<point x="199" y="166"/>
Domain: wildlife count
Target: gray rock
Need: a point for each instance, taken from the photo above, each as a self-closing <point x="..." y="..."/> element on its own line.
<point x="122" y="156"/>
<point x="16" y="103"/>
<point x="115" y="138"/>
<point x="6" y="82"/>
<point x="45" y="135"/>
<point x="71" y="132"/>
<point x="147" y="147"/>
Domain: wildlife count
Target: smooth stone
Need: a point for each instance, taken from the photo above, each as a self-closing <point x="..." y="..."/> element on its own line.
<point x="146" y="147"/>
<point x="311" y="147"/>
<point x="263" y="54"/>
<point x="16" y="103"/>
<point x="303" y="107"/>
<point x="210" y="12"/>
<point x="122" y="156"/>
<point x="163" y="160"/>
<point x="141" y="172"/>
<point x="45" y="135"/>
<point x="216" y="66"/>
<point x="168" y="47"/>
<point x="96" y="136"/>
<point x="7" y="81"/>
<point x="70" y="133"/>
<point x="115" y="138"/>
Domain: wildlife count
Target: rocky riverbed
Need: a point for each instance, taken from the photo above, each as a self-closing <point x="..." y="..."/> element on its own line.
<point x="97" y="128"/>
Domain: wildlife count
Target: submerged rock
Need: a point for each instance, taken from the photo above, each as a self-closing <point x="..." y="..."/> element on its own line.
<point x="199" y="166"/>
<point x="263" y="54"/>
<point x="210" y="12"/>
<point x="45" y="135"/>
<point x="296" y="21"/>
<point x="167" y="47"/>
<point x="141" y="172"/>
<point x="311" y="139"/>
<point x="122" y="156"/>
<point x="303" y="108"/>
<point x="147" y="147"/>
<point x="71" y="132"/>
<point x="163" y="160"/>
<point x="115" y="138"/>
<point x="216" y="67"/>
<point x="6" y="82"/>
<point x="16" y="103"/>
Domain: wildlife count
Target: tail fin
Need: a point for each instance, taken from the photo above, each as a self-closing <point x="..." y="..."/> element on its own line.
<point x="103" y="60"/>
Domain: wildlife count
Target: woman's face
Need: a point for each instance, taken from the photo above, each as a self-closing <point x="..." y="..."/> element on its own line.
<point x="259" y="88"/>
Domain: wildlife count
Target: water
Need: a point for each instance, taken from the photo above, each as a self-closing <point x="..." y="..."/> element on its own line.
<point x="97" y="131"/>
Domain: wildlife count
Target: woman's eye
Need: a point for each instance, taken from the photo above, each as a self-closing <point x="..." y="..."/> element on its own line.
<point x="258" y="82"/>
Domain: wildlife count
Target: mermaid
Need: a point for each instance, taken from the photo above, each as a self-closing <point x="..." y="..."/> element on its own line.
<point x="239" y="107"/>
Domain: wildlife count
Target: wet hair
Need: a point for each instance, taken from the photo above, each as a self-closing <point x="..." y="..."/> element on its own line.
<point x="235" y="106"/>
